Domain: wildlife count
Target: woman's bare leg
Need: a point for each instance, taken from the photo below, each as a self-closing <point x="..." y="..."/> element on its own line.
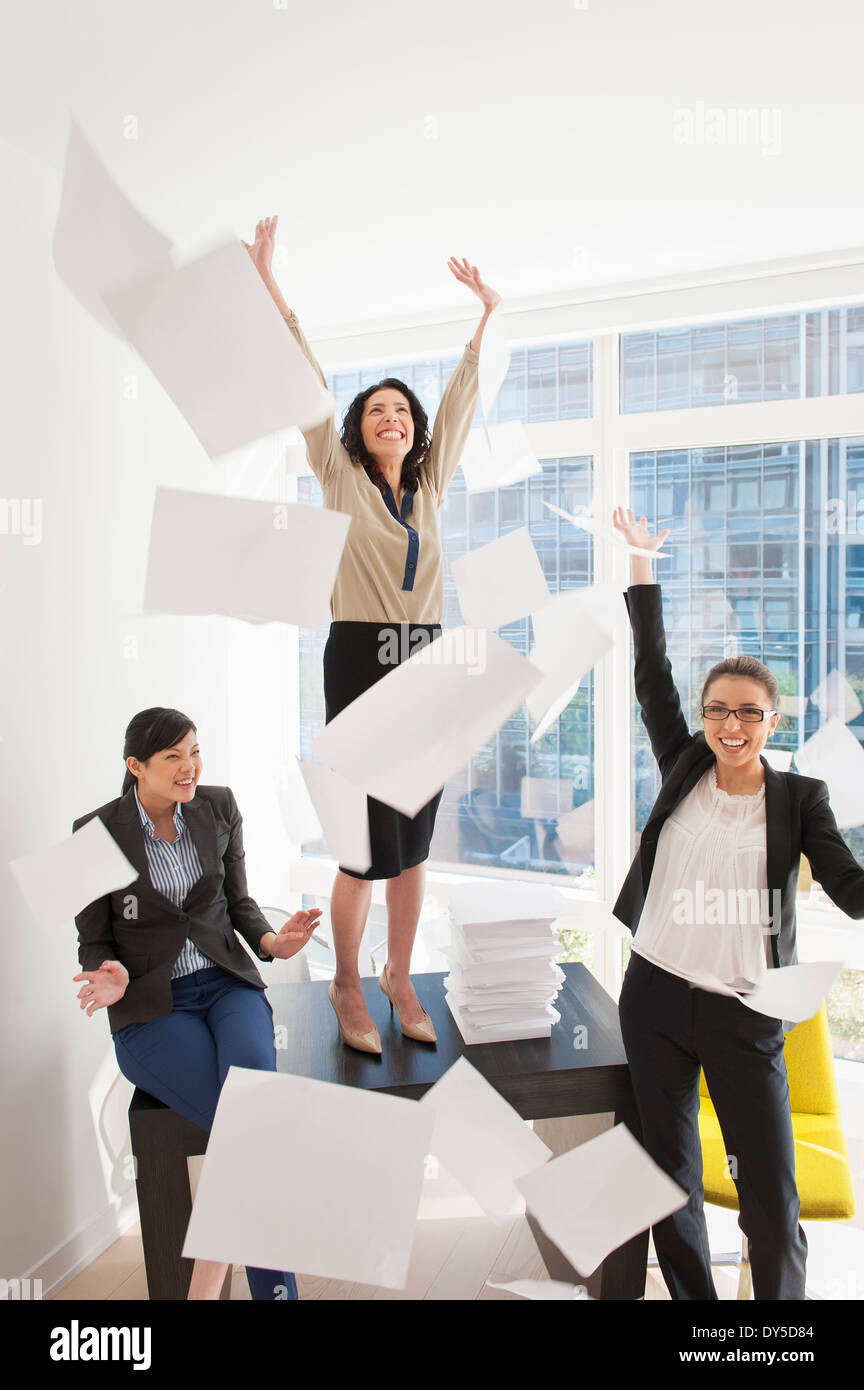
<point x="349" y="907"/>
<point x="404" y="900"/>
<point x="208" y="1276"/>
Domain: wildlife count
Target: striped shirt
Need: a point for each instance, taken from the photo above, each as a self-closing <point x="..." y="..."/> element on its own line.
<point x="174" y="867"/>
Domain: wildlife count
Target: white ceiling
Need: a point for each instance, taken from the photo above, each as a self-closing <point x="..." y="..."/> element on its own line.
<point x="554" y="166"/>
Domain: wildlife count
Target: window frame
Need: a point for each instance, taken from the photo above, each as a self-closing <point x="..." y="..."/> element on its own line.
<point x="610" y="437"/>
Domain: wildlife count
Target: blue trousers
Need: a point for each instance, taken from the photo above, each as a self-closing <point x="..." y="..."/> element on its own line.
<point x="670" y="1029"/>
<point x="183" y="1059"/>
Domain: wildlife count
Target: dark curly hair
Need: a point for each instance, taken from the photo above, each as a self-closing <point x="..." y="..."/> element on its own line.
<point x="352" y="437"/>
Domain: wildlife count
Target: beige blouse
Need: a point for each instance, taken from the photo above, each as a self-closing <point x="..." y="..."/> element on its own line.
<point x="371" y="574"/>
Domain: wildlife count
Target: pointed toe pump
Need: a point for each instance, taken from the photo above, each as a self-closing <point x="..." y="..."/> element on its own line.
<point x="420" y="1032"/>
<point x="363" y="1042"/>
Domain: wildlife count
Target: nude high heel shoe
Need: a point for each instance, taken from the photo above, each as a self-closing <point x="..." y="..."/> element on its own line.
<point x="420" y="1032"/>
<point x="363" y="1042"/>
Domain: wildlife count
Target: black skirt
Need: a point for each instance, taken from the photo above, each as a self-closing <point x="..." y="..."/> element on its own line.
<point x="357" y="655"/>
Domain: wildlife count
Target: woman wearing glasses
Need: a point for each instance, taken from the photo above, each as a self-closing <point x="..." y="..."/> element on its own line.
<point x="724" y="820"/>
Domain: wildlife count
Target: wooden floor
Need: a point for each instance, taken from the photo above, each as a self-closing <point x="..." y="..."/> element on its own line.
<point x="457" y="1252"/>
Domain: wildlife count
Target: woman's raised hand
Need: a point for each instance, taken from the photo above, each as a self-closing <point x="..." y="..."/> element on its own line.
<point x="263" y="246"/>
<point x="636" y="532"/>
<point x="295" y="934"/>
<point x="103" y="986"/>
<point x="469" y="275"/>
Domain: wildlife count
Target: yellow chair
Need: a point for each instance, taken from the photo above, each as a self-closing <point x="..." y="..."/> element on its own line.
<point x="821" y="1158"/>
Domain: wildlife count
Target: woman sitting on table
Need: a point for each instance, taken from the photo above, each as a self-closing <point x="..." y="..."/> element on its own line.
<point x="184" y="1000"/>
<point x="390" y="477"/>
<point x="724" y="819"/>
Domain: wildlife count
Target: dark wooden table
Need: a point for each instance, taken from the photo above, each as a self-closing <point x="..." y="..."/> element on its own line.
<point x="542" y="1078"/>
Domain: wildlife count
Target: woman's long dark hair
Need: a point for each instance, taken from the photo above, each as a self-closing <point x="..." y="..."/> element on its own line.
<point x="151" y="731"/>
<point x="352" y="437"/>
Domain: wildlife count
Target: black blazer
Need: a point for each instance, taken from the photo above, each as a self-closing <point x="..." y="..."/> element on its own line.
<point x="798" y="818"/>
<point x="144" y="930"/>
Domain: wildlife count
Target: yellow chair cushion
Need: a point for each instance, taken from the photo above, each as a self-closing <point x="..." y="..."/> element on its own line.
<point x="822" y="1169"/>
<point x="824" y="1178"/>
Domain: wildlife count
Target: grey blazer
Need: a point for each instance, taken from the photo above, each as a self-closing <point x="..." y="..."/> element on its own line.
<point x="144" y="930"/>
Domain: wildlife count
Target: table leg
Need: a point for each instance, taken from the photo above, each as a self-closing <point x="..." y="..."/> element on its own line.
<point x="623" y="1273"/>
<point x="164" y="1206"/>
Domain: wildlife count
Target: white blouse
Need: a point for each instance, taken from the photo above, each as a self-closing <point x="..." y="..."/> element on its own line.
<point x="707" y="912"/>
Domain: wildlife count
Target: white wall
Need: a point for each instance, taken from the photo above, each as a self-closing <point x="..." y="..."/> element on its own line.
<point x="77" y="664"/>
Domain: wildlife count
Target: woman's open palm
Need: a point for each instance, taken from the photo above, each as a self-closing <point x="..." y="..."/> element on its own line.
<point x="636" y="532"/>
<point x="469" y="275"/>
<point x="102" y="987"/>
<point x="295" y="934"/>
<point x="261" y="250"/>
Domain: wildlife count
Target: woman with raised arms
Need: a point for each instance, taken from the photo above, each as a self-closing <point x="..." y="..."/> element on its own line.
<point x="390" y="475"/>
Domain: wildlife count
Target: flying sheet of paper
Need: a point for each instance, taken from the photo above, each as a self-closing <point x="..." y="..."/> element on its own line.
<point x="459" y="690"/>
<point x="58" y="882"/>
<point x="481" y="1140"/>
<point x="779" y="758"/>
<point x="597" y="920"/>
<point x="501" y="582"/>
<point x="599" y="1195"/>
<point x="794" y="706"/>
<point x="575" y="833"/>
<point x="606" y="533"/>
<point x="342" y="811"/>
<point x="297" y="460"/>
<point x="544" y="1290"/>
<point x="494" y="361"/>
<point x="544" y="798"/>
<point x="496" y="901"/>
<point x="259" y="561"/>
<point x="498" y="455"/>
<point x="350" y="1174"/>
<point x="211" y="334"/>
<point x="794" y="992"/>
<point x="296" y="806"/>
<point x="835" y="756"/>
<point x="835" y="696"/>
<point x="571" y="634"/>
<point x="101" y="241"/>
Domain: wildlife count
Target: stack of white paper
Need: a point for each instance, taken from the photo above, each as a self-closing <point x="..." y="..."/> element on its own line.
<point x="503" y="980"/>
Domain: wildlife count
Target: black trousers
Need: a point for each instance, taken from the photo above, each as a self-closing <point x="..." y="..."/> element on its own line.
<point x="670" y="1029"/>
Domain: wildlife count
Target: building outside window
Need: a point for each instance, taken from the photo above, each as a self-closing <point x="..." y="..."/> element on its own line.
<point x="766" y="558"/>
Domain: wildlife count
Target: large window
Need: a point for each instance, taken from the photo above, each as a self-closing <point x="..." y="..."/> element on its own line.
<point x="767" y="557"/>
<point x="517" y="806"/>
<point x="767" y="561"/>
<point x="542" y="383"/>
<point x="763" y="562"/>
<point x="785" y="357"/>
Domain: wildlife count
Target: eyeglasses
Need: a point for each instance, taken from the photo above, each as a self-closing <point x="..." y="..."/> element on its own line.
<point x="748" y="714"/>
